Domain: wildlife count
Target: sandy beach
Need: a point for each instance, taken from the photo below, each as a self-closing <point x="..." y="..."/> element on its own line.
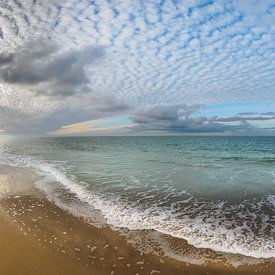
<point x="38" y="237"/>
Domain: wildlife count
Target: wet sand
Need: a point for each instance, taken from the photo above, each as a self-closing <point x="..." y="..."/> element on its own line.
<point x="38" y="237"/>
<point x="21" y="255"/>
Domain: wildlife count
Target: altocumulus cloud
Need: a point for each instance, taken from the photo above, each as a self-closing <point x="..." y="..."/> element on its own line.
<point x="137" y="59"/>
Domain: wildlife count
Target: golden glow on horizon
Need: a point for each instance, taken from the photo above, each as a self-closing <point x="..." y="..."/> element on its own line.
<point x="89" y="127"/>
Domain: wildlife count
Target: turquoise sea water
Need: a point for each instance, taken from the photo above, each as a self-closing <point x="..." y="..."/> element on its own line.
<point x="215" y="192"/>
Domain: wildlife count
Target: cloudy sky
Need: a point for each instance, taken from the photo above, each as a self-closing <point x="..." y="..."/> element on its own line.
<point x="130" y="67"/>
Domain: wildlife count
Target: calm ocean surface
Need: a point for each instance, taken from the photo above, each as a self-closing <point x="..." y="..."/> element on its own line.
<point x="215" y="192"/>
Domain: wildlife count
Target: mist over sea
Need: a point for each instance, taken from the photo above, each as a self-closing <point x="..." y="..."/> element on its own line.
<point x="215" y="192"/>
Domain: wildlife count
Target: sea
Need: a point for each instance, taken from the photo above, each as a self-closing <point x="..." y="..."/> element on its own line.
<point x="214" y="192"/>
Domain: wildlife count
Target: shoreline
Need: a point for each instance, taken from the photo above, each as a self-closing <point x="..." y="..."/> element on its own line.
<point x="35" y="222"/>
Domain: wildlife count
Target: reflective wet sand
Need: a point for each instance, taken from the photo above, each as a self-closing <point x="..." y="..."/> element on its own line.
<point x="36" y="236"/>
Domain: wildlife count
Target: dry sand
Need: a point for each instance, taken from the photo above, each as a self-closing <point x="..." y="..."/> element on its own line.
<point x="37" y="237"/>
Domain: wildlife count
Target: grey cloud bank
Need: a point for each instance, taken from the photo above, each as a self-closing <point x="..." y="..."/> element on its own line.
<point x="181" y="119"/>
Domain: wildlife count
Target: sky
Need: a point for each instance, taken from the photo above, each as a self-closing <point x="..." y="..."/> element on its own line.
<point x="154" y="67"/>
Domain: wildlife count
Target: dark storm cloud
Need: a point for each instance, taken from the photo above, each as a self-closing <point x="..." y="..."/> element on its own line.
<point x="56" y="81"/>
<point x="43" y="65"/>
<point x="5" y="59"/>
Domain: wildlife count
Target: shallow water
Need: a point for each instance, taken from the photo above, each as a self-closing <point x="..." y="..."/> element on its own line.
<point x="215" y="192"/>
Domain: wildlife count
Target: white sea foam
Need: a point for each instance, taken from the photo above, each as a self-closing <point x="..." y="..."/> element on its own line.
<point x="203" y="225"/>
